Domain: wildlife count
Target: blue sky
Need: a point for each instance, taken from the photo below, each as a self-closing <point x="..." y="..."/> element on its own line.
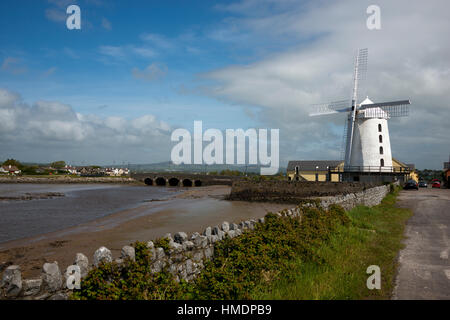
<point x="137" y="70"/>
<point x="91" y="69"/>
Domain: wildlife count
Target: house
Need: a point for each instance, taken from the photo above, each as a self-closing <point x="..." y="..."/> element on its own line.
<point x="70" y="169"/>
<point x="319" y="170"/>
<point x="116" y="172"/>
<point x="412" y="175"/>
<point x="10" y="169"/>
<point x="312" y="170"/>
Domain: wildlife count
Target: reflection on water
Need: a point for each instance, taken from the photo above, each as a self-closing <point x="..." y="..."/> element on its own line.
<point x="81" y="203"/>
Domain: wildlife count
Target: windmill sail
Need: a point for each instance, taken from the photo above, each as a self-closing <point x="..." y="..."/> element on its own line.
<point x="367" y="143"/>
<point x="393" y="108"/>
<point x="344" y="139"/>
<point x="331" y="108"/>
<point x="359" y="74"/>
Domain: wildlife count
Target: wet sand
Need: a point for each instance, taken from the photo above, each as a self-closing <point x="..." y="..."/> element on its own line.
<point x="190" y="211"/>
<point x="81" y="203"/>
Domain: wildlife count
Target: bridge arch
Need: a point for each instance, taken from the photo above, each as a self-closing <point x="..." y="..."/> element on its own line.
<point x="198" y="183"/>
<point x="160" y="181"/>
<point x="148" y="181"/>
<point x="187" y="183"/>
<point x="173" y="182"/>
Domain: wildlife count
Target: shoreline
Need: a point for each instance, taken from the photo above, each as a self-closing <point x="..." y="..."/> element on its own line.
<point x="32" y="196"/>
<point x="189" y="211"/>
<point x="67" y="180"/>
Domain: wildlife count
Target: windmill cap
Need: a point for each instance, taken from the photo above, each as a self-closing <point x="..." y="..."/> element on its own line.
<point x="366" y="101"/>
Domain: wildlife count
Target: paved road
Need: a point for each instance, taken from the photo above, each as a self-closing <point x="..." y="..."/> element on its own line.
<point x="424" y="270"/>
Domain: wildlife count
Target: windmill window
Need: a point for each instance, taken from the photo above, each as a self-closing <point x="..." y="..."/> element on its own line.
<point x="379" y="127"/>
<point x="381" y="150"/>
<point x="380" y="137"/>
<point x="382" y="162"/>
<point x="296" y="170"/>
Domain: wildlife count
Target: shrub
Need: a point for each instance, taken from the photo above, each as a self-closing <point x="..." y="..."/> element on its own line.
<point x="133" y="280"/>
<point x="162" y="243"/>
<point x="240" y="264"/>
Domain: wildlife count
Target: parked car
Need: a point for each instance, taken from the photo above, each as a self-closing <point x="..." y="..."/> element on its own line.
<point x="411" y="184"/>
<point x="436" y="184"/>
<point x="423" y="184"/>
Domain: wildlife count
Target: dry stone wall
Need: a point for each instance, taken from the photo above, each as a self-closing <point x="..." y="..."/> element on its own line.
<point x="184" y="259"/>
<point x="369" y="197"/>
<point x="294" y="192"/>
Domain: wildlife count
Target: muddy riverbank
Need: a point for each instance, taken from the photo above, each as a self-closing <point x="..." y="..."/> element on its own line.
<point x="67" y="179"/>
<point x="32" y="196"/>
<point x="190" y="211"/>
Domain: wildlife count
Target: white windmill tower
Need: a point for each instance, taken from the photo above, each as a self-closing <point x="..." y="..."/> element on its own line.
<point x="367" y="147"/>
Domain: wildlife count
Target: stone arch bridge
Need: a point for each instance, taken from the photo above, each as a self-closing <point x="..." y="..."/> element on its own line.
<point x="181" y="179"/>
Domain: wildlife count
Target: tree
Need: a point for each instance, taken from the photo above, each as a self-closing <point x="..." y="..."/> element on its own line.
<point x="58" y="164"/>
<point x="12" y="162"/>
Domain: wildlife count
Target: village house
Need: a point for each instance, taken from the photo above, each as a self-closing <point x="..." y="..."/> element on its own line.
<point x="116" y="172"/>
<point x="70" y="169"/>
<point x="319" y="170"/>
<point x="312" y="170"/>
<point x="90" y="171"/>
<point x="9" y="169"/>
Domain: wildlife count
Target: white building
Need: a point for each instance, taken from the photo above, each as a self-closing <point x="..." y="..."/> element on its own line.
<point x="371" y="146"/>
<point x="117" y="171"/>
<point x="71" y="170"/>
<point x="10" y="169"/>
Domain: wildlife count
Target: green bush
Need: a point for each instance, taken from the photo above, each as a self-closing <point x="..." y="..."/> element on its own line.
<point x="162" y="243"/>
<point x="240" y="264"/>
<point x="134" y="280"/>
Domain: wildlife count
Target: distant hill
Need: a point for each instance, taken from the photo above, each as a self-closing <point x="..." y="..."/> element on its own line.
<point x="168" y="166"/>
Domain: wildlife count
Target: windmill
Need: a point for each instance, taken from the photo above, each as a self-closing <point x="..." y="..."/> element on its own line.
<point x="367" y="143"/>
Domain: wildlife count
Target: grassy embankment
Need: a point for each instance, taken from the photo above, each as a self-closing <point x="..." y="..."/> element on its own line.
<point x="322" y="256"/>
<point x="373" y="238"/>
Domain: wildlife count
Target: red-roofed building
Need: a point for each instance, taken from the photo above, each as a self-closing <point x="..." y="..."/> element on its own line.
<point x="10" y="169"/>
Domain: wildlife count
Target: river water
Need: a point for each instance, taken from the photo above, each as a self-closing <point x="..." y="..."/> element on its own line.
<point x="81" y="203"/>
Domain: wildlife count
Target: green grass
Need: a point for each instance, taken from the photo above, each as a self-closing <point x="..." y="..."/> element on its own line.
<point x="373" y="238"/>
<point x="322" y="255"/>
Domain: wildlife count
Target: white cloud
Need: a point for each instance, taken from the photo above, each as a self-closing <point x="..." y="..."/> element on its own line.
<point x="62" y="3"/>
<point x="117" y="52"/>
<point x="13" y="65"/>
<point x="8" y="98"/>
<point x="158" y="40"/>
<point x="49" y="72"/>
<point x="408" y="58"/>
<point x="106" y="24"/>
<point x="152" y="72"/>
<point x="47" y="128"/>
<point x="56" y="14"/>
<point x="126" y="53"/>
<point x="144" y="52"/>
<point x="71" y="53"/>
